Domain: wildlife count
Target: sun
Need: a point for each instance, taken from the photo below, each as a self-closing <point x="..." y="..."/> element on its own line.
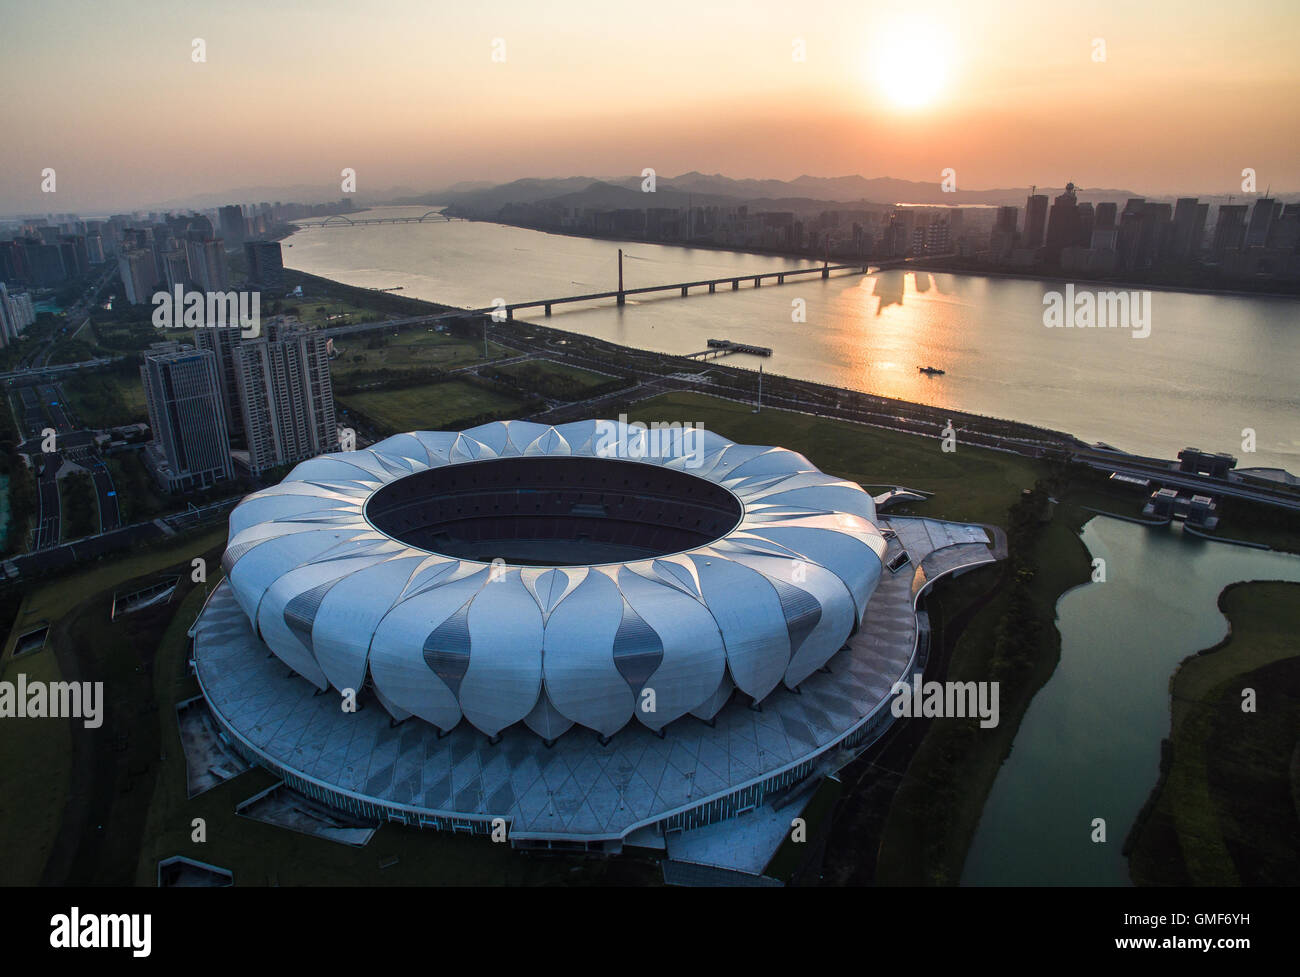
<point x="909" y="63"/>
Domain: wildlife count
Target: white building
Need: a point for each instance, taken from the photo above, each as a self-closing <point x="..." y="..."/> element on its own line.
<point x="16" y="314"/>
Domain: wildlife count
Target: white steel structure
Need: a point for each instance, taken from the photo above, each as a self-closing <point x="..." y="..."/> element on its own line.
<point x="522" y="573"/>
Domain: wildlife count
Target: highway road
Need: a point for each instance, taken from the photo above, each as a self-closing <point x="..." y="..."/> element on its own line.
<point x="110" y="515"/>
<point x="77" y="445"/>
<point x="80" y="448"/>
<point x="52" y="397"/>
<point x="30" y="413"/>
<point x="47" y="500"/>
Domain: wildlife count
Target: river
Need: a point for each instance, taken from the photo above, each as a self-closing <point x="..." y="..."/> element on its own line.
<point x="1089" y="744"/>
<point x="1212" y="366"/>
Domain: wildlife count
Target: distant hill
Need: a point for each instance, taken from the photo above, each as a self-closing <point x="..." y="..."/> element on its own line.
<point x="806" y="193"/>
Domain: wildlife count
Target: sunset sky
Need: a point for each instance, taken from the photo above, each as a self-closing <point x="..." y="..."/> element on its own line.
<point x="407" y="93"/>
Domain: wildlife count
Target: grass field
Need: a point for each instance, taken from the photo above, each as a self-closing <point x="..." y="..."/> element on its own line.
<point x="104" y="400"/>
<point x="47" y="602"/>
<point x="427" y="407"/>
<point x="551" y="379"/>
<point x="319" y="312"/>
<point x="1225" y="813"/>
<point x="412" y="351"/>
<point x="35" y="758"/>
<point x="80" y="506"/>
<point x="138" y="495"/>
<point x="36" y="755"/>
<point x="971" y="484"/>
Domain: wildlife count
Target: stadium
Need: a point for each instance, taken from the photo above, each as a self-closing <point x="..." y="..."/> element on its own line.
<point x="585" y="632"/>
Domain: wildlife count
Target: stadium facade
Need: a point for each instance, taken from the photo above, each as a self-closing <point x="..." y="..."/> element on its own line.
<point x="549" y="624"/>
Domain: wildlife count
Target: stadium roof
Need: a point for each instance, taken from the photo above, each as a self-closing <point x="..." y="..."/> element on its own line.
<point x="783" y="561"/>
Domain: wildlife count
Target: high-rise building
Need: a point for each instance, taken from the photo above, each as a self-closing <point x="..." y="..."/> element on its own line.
<point x="176" y="269"/>
<point x="139" y="275"/>
<point x="221" y="342"/>
<point x="76" y="256"/>
<point x="13" y="264"/>
<point x="934" y="237"/>
<point x="286" y="397"/>
<point x="265" y="265"/>
<point x="1062" y="224"/>
<point x="1229" y="229"/>
<point x="1035" y="220"/>
<point x="45" y="264"/>
<point x="16" y="314"/>
<point x="1261" y="222"/>
<point x="190" y="449"/>
<point x="1087" y="220"/>
<point x="1003" y="239"/>
<point x="207" y="261"/>
<point x="231" y="221"/>
<point x="1286" y="229"/>
<point x="1188" y="228"/>
<point x="1104" y="230"/>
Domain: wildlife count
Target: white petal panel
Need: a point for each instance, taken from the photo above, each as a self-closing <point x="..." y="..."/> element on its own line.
<point x="578" y="658"/>
<point x="693" y="657"/>
<point x="770" y="601"/>
<point x="505" y="660"/>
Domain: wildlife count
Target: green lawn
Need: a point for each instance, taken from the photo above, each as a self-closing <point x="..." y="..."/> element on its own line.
<point x="413" y="351"/>
<point x="80" y="506"/>
<point x="35" y="759"/>
<point x="319" y="312"/>
<point x="138" y="495"/>
<point x="104" y="400"/>
<point x="551" y="379"/>
<point x="427" y="407"/>
<point x="47" y="602"/>
<point x="971" y="484"/>
<point x="36" y="755"/>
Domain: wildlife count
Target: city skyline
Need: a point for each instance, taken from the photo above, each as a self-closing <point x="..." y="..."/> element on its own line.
<point x="418" y="100"/>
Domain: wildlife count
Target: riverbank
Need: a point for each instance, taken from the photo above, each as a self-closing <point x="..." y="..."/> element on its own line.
<point x="1012" y="640"/>
<point x="938" y="264"/>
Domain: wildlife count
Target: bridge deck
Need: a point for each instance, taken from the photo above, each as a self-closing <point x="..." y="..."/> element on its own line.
<point x="511" y="307"/>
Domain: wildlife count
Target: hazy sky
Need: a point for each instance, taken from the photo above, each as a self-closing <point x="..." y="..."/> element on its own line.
<point x="408" y="93"/>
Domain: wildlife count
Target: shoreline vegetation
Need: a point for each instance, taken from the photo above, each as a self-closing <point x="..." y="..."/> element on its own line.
<point x="1226" y="807"/>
